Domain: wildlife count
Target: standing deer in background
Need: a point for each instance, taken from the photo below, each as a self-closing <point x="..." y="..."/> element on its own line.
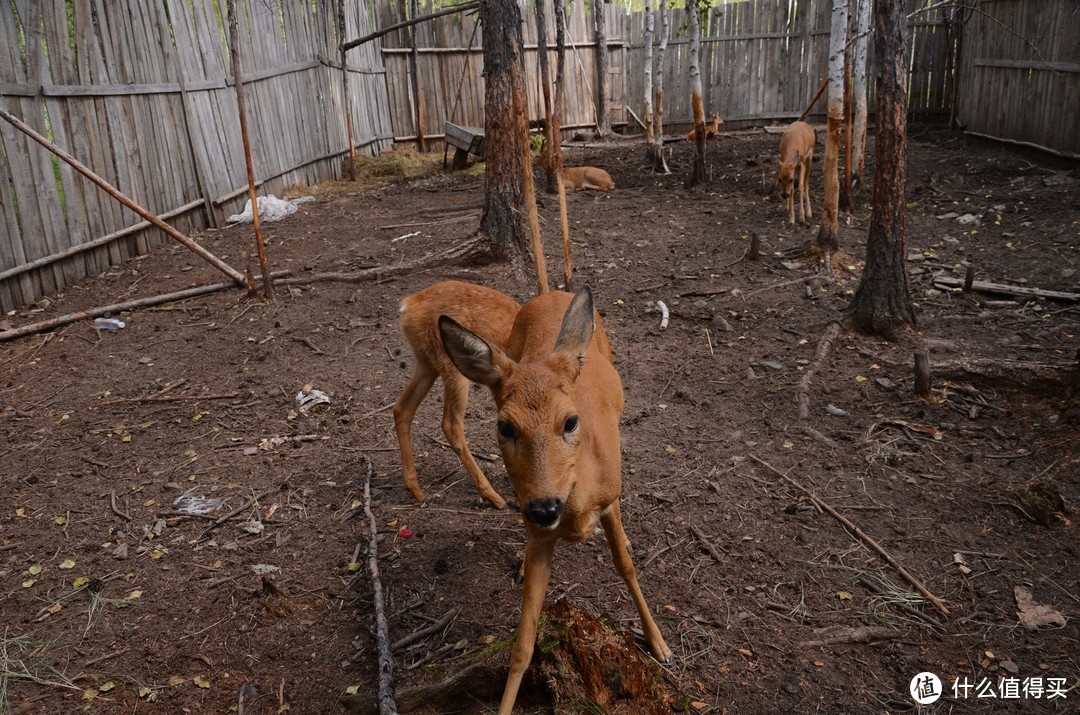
<point x="485" y="311"/>
<point x="796" y="158"/>
<point x="559" y="400"/>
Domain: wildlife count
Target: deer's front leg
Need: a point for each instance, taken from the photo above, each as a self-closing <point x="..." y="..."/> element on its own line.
<point x="538" y="553"/>
<point x="616" y="538"/>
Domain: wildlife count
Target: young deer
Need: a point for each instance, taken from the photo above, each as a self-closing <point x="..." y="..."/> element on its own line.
<point x="580" y="177"/>
<point x="711" y="129"/>
<point x="559" y="400"/>
<point x="487" y="312"/>
<point x="796" y="158"/>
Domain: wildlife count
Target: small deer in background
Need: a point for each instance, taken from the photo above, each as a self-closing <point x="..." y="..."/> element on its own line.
<point x="711" y="129"/>
<point x="485" y="311"/>
<point x="793" y="169"/>
<point x="559" y="400"/>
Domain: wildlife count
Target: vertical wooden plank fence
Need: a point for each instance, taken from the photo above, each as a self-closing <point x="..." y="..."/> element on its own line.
<point x="140" y="92"/>
<point x="1020" y="73"/>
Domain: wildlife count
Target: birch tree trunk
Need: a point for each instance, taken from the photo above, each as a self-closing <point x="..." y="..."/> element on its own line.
<point x="882" y="303"/>
<point x="827" y="241"/>
<point x="650" y="36"/>
<point x="555" y="157"/>
<point x="509" y="194"/>
<point x="603" y="118"/>
<point x="858" y="83"/>
<point x="659" y="163"/>
<point x="694" y="20"/>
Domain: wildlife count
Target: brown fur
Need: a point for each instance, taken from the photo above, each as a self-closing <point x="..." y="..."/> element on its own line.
<point x="485" y="311"/>
<point x="711" y="129"/>
<point x="551" y="371"/>
<point x="579" y="177"/>
<point x="793" y="168"/>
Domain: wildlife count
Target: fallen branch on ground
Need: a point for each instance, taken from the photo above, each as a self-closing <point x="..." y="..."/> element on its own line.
<point x="858" y="634"/>
<point x="1001" y="289"/>
<point x="425" y="632"/>
<point x="802" y="395"/>
<point x="387" y="706"/>
<point x="858" y="532"/>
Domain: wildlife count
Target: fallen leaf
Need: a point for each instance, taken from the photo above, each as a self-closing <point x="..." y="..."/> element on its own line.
<point x="60" y="520"/>
<point x="1032" y="614"/>
<point x="80" y="582"/>
<point x="67" y="564"/>
<point x="352" y="689"/>
<point x="29" y="582"/>
<point x="843" y="595"/>
<point x="106" y="687"/>
<point x="34" y="570"/>
<point x="89" y="694"/>
<point x="145" y="691"/>
<point x="134" y="595"/>
<point x="201" y="680"/>
<point x="177" y="680"/>
<point x="21" y="512"/>
<point x="747" y="653"/>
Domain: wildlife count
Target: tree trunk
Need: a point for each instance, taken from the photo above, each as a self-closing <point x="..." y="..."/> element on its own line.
<point x="845" y="182"/>
<point x="650" y="36"/>
<point x="659" y="163"/>
<point x="560" y="82"/>
<point x="858" y="83"/>
<point x="827" y="242"/>
<point x="414" y="59"/>
<point x="694" y="20"/>
<point x="882" y="303"/>
<point x="545" y="77"/>
<point x="508" y="170"/>
<point x="603" y="118"/>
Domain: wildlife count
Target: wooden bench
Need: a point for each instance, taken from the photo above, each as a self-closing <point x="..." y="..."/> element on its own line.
<point x="465" y="140"/>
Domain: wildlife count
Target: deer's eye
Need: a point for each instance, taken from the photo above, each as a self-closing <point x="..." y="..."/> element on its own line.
<point x="571" y="425"/>
<point x="506" y="430"/>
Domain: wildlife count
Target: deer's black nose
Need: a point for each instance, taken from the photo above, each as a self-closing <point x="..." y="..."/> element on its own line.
<point x="784" y="195"/>
<point x="544" y="512"/>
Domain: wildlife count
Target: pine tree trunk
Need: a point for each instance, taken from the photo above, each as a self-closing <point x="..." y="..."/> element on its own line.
<point x="508" y="164"/>
<point x="858" y="82"/>
<point x="882" y="303"/>
<point x="603" y="82"/>
<point x="694" y="21"/>
<point x="827" y="241"/>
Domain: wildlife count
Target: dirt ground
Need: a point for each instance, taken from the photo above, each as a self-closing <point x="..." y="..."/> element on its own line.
<point x="115" y="599"/>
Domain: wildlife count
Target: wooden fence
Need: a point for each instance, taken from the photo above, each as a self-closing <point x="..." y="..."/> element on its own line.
<point x="1020" y="72"/>
<point x="142" y="93"/>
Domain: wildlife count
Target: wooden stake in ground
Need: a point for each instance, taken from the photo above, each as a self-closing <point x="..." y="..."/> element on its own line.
<point x="234" y="52"/>
<point x="858" y="532"/>
<point x="346" y="103"/>
<point x="111" y="190"/>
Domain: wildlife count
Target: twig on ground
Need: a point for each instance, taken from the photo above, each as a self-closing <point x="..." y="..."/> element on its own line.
<point x="824" y="345"/>
<point x="246" y="505"/>
<point x="859" y="634"/>
<point x="313" y="346"/>
<point x="425" y="631"/>
<point x="115" y="508"/>
<point x="858" y="532"/>
<point x="785" y="284"/>
<point x="713" y="550"/>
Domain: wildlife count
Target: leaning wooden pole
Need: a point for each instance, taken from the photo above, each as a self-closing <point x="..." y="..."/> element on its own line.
<point x="111" y="190"/>
<point x="346" y="46"/>
<point x="234" y="52"/>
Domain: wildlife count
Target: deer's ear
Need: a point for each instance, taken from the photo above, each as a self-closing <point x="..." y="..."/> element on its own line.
<point x="577" y="328"/>
<point x="476" y="358"/>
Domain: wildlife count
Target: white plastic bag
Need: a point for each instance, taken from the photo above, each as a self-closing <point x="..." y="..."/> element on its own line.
<point x="271" y="208"/>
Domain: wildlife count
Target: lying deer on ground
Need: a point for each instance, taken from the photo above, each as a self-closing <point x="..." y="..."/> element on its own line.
<point x="711" y="129"/>
<point x="796" y="158"/>
<point x="579" y="177"/>
<point x="485" y="311"/>
<point x="559" y="399"/>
